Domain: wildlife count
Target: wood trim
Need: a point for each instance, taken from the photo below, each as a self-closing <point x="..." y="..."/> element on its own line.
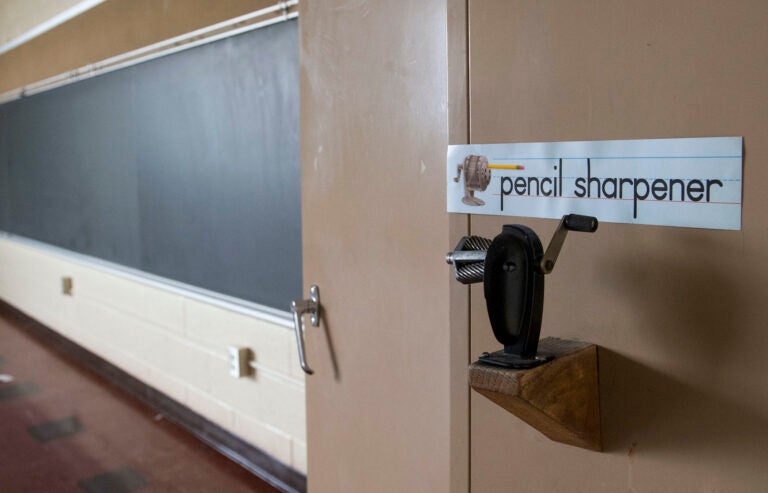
<point x="233" y="447"/>
<point x="458" y="226"/>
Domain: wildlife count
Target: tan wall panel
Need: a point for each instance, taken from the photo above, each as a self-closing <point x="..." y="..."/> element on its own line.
<point x="113" y="28"/>
<point x="18" y="17"/>
<point x="374" y="132"/>
<point x="679" y="313"/>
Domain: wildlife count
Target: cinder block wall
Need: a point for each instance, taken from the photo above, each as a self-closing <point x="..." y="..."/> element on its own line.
<point x="175" y="343"/>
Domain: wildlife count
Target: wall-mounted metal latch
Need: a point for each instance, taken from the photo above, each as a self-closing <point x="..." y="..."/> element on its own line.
<point x="299" y="308"/>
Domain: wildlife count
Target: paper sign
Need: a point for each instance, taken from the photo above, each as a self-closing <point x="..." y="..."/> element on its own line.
<point x="667" y="182"/>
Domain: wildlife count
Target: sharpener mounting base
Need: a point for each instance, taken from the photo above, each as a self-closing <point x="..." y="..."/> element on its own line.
<point x="561" y="398"/>
<point x="515" y="361"/>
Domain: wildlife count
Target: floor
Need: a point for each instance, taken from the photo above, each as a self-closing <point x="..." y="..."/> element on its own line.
<point x="64" y="429"/>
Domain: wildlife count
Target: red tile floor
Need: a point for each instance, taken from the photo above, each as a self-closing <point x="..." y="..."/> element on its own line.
<point x="64" y="429"/>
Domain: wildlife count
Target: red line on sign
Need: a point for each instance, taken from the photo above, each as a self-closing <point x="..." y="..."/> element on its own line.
<point x="608" y="198"/>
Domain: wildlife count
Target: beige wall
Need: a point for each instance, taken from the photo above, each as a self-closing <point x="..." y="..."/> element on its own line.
<point x="19" y="17"/>
<point x="679" y="313"/>
<point x="173" y="342"/>
<point x="112" y="28"/>
<point x="375" y="123"/>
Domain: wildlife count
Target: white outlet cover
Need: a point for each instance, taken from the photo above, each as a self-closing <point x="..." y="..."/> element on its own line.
<point x="237" y="358"/>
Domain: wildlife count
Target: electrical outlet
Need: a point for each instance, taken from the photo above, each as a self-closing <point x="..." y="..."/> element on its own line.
<point x="239" y="359"/>
<point x="66" y="286"/>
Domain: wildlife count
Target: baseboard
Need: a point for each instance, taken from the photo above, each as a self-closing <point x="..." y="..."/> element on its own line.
<point x="235" y="448"/>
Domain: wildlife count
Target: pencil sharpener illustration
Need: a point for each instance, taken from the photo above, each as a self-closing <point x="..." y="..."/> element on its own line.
<point x="477" y="176"/>
<point x="512" y="267"/>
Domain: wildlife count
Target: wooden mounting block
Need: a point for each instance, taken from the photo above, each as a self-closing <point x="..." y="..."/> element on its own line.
<point x="560" y="399"/>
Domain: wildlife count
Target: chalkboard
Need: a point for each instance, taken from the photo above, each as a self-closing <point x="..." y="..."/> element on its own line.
<point x="186" y="166"/>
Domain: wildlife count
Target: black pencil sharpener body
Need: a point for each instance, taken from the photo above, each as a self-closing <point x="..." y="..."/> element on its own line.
<point x="512" y="268"/>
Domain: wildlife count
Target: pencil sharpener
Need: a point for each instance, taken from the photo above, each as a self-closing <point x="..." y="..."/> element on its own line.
<point x="512" y="267"/>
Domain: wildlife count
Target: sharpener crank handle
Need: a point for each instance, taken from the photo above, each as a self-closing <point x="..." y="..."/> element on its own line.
<point x="459" y="168"/>
<point x="569" y="222"/>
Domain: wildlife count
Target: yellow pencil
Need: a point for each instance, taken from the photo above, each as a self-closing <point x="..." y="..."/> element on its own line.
<point x="505" y="166"/>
